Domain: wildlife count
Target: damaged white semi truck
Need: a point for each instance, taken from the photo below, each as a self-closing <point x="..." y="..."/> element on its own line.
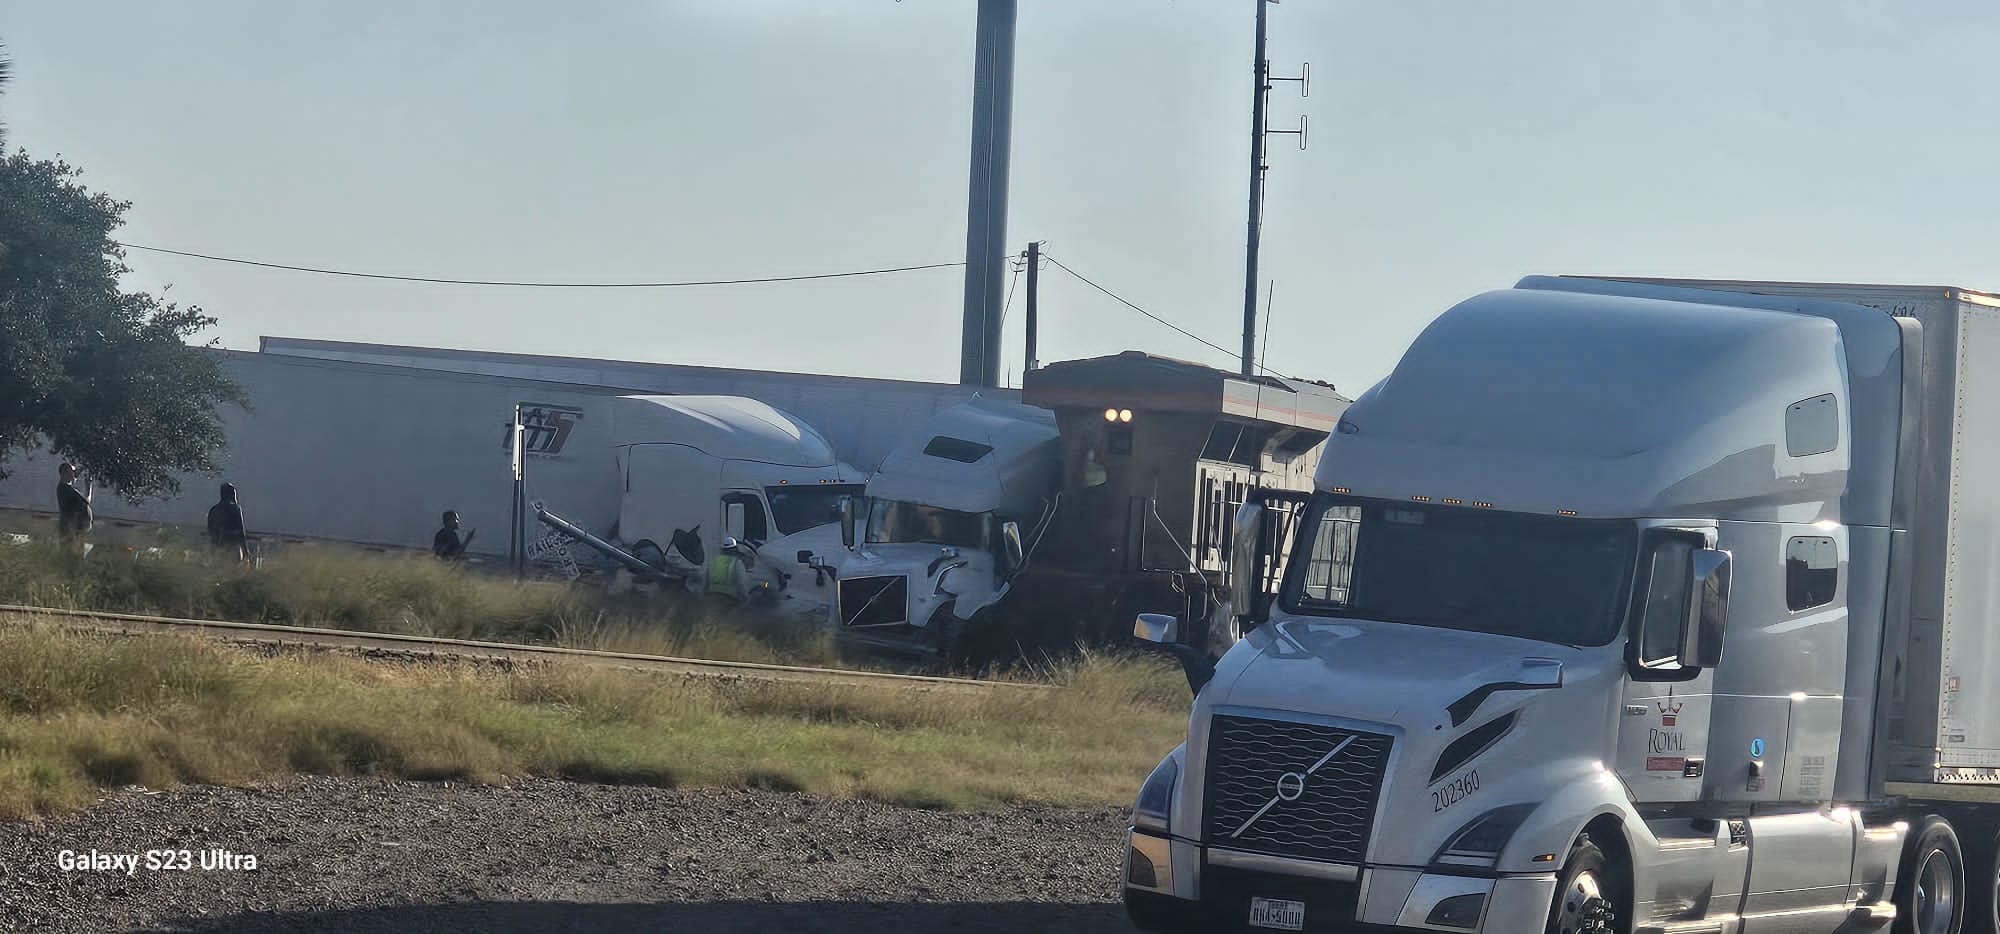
<point x="1619" y="606"/>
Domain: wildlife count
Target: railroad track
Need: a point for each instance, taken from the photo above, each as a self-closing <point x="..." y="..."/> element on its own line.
<point x="269" y="634"/>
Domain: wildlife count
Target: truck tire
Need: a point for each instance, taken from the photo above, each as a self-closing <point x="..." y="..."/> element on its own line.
<point x="1992" y="887"/>
<point x="1587" y="893"/>
<point x="1930" y="885"/>
<point x="966" y="646"/>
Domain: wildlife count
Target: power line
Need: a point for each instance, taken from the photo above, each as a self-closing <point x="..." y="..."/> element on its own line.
<point x="539" y="285"/>
<point x="1019" y="263"/>
<point x="1184" y="332"/>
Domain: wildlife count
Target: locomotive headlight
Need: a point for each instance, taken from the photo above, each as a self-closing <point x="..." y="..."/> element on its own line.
<point x="1110" y="415"/>
<point x="1125" y="415"/>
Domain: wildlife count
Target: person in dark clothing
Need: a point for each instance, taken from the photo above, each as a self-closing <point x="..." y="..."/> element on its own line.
<point x="72" y="508"/>
<point x="446" y="544"/>
<point x="225" y="525"/>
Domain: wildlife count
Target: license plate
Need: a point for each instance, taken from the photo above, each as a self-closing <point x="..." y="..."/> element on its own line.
<point x="1278" y="914"/>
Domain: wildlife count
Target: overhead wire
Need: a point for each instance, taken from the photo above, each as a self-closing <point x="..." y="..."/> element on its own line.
<point x="685" y="283"/>
<point x="1184" y="332"/>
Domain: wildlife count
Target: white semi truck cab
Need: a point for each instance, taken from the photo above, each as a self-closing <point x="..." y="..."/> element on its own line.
<point x="939" y="535"/>
<point x="1619" y="606"/>
<point x="702" y="468"/>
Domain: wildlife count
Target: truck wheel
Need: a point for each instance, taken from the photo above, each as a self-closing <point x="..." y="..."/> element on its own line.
<point x="1992" y="889"/>
<point x="1930" y="885"/>
<point x="1586" y="893"/>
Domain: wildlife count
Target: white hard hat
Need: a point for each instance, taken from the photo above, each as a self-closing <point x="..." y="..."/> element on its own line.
<point x="728" y="543"/>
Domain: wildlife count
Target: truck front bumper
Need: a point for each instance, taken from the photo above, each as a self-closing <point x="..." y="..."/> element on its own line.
<point x="1173" y="884"/>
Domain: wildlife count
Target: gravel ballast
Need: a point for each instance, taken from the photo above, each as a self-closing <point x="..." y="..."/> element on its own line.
<point x="362" y="854"/>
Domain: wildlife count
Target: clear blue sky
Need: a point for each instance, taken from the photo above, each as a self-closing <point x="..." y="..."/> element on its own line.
<point x="1455" y="147"/>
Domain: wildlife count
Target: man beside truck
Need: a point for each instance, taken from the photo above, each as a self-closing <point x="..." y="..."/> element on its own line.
<point x="446" y="545"/>
<point x="1620" y="606"/>
<point x="728" y="577"/>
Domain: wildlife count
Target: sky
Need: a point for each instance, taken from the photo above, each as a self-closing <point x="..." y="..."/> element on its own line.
<point x="1455" y="148"/>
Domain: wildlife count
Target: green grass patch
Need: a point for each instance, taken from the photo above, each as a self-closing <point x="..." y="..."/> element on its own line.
<point x="80" y="712"/>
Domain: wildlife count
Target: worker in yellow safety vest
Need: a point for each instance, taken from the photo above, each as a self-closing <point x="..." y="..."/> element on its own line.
<point x="727" y="575"/>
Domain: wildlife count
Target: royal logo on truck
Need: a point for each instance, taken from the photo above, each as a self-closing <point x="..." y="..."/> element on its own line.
<point x="544" y="428"/>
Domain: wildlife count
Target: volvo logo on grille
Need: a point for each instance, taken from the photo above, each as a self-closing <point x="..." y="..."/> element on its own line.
<point x="1291" y="785"/>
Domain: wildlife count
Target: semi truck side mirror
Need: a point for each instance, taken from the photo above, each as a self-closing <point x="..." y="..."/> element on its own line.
<point x="1246" y="593"/>
<point x="847" y="522"/>
<point x="1010" y="537"/>
<point x="1164" y="631"/>
<point x="1708" y="610"/>
<point x="1157" y="628"/>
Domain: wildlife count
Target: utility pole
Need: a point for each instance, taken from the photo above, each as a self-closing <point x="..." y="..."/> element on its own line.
<point x="517" y="534"/>
<point x="986" y="201"/>
<point x="1034" y="266"/>
<point x="1260" y="90"/>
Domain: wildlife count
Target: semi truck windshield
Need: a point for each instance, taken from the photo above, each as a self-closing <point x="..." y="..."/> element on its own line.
<point x="891" y="521"/>
<point x="798" y="508"/>
<point x="1547" y="578"/>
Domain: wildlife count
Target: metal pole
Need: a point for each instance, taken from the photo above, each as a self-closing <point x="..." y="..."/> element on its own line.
<point x="986" y="201"/>
<point x="1256" y="200"/>
<point x="517" y="520"/>
<point x="1034" y="265"/>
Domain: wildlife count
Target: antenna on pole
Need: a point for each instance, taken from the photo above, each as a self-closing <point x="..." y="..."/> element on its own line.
<point x="1259" y="128"/>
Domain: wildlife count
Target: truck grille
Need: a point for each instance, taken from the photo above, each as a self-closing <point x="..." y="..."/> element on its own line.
<point x="1324" y="813"/>
<point x="874" y="601"/>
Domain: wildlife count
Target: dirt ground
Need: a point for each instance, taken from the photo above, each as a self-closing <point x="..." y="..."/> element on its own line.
<point x="372" y="855"/>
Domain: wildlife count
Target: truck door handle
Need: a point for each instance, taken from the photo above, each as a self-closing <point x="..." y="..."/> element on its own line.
<point x="1635" y="710"/>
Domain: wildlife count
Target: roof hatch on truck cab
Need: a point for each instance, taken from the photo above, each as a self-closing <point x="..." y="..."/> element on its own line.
<point x="978" y="456"/>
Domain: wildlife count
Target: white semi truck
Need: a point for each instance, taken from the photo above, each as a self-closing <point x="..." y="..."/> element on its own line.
<point x="939" y="535"/>
<point x="1619" y="606"/>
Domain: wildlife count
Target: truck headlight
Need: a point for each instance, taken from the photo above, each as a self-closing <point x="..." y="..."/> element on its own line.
<point x="1478" y="844"/>
<point x="1156" y="797"/>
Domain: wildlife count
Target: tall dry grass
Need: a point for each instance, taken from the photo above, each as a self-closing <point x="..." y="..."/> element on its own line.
<point x="82" y="712"/>
<point x="340" y="588"/>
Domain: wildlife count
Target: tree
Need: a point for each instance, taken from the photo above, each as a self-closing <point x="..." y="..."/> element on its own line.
<point x="101" y="376"/>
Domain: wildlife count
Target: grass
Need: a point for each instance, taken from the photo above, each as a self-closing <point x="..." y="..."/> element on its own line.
<point x="82" y="712"/>
<point x="333" y="587"/>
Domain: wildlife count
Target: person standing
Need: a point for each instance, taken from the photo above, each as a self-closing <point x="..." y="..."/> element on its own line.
<point x="446" y="545"/>
<point x="727" y="577"/>
<point x="225" y="525"/>
<point x="73" y="516"/>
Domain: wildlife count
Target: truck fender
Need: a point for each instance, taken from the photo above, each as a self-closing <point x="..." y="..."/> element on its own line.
<point x="1590" y="802"/>
<point x="966" y="605"/>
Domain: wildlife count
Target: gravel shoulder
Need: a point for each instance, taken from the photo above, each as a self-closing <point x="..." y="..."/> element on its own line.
<point x="361" y="854"/>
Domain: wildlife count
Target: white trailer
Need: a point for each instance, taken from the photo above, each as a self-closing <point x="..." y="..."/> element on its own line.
<point x="372" y="455"/>
<point x="1619" y="606"/>
<point x="864" y="418"/>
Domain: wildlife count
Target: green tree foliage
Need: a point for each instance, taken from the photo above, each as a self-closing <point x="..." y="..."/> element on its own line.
<point x="102" y="376"/>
